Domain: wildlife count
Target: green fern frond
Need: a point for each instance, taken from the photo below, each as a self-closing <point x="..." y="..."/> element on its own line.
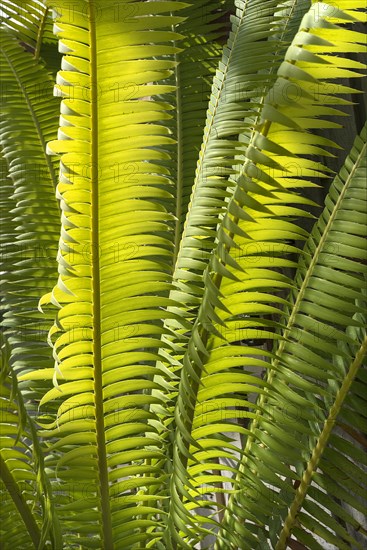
<point x="30" y="21"/>
<point x="242" y="287"/>
<point x="116" y="197"/>
<point x="233" y="105"/>
<point x="203" y="30"/>
<point x="312" y="389"/>
<point x="26" y="498"/>
<point x="239" y="88"/>
<point x="236" y="101"/>
<point x="29" y="243"/>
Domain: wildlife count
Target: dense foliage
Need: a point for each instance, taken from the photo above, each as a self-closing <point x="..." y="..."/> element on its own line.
<point x="182" y="358"/>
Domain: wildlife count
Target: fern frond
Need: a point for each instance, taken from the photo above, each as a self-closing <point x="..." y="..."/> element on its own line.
<point x="201" y="48"/>
<point x="115" y="258"/>
<point x="29" y="248"/>
<point x="30" y="21"/>
<point x="27" y="509"/>
<point x="236" y="102"/>
<point x="242" y="286"/>
<point x="313" y="389"/>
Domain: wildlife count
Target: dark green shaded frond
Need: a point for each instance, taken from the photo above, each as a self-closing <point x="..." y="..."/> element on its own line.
<point x="30" y="21"/>
<point x="27" y="517"/>
<point x="204" y="30"/>
<point x="7" y="223"/>
<point x="30" y="215"/>
<point x="340" y="484"/>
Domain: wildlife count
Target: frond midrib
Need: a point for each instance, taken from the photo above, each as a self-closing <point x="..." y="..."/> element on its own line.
<point x="179" y="173"/>
<point x="96" y="292"/>
<point x="41" y="29"/>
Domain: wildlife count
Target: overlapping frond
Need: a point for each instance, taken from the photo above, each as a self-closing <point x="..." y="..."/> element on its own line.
<point x="243" y="287"/>
<point x="29" y="211"/>
<point x="246" y="73"/>
<point x="6" y="204"/>
<point x="310" y="423"/>
<point x="204" y="30"/>
<point x="339" y="484"/>
<point x="290" y="16"/>
<point x="267" y="446"/>
<point x="115" y="258"/>
<point x="30" y="21"/>
<point x="240" y="85"/>
<point x="27" y="511"/>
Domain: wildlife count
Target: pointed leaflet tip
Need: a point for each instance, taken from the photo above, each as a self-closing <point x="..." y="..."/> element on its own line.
<point x="45" y="300"/>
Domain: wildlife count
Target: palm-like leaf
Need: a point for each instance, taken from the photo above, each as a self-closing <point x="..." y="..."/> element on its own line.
<point x="315" y="375"/>
<point x="238" y="91"/>
<point x="6" y="205"/>
<point x="203" y="29"/>
<point x="116" y="202"/>
<point x="24" y="489"/>
<point x="30" y="22"/>
<point x="242" y="286"/>
<point x="108" y="424"/>
<point x="246" y="72"/>
<point x="29" y="242"/>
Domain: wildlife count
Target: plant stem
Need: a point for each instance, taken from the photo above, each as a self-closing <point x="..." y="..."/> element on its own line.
<point x="179" y="188"/>
<point x="41" y="29"/>
<point x="97" y="344"/>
